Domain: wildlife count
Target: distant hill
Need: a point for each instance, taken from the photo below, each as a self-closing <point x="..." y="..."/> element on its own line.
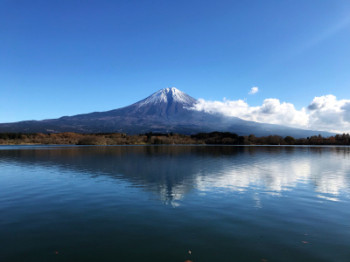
<point x="168" y="110"/>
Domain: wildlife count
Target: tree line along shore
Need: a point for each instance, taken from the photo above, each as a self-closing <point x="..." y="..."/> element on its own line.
<point x="213" y="138"/>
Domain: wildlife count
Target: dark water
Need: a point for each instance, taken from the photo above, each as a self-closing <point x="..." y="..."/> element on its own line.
<point x="157" y="203"/>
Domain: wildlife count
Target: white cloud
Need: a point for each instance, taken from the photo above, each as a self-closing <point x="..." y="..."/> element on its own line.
<point x="329" y="113"/>
<point x="324" y="112"/>
<point x="253" y="90"/>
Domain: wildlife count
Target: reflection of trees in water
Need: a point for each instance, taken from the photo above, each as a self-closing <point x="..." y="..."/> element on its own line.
<point x="172" y="171"/>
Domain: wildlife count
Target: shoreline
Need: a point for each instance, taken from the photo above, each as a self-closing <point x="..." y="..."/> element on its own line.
<point x="213" y="138"/>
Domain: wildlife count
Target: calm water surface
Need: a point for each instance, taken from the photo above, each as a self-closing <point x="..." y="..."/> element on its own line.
<point x="144" y="203"/>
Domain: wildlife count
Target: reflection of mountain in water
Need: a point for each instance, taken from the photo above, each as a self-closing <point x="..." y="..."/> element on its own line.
<point x="173" y="171"/>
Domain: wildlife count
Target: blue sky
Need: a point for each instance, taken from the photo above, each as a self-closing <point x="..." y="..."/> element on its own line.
<point x="67" y="57"/>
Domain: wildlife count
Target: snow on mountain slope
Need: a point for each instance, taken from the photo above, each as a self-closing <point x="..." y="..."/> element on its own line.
<point x="168" y="95"/>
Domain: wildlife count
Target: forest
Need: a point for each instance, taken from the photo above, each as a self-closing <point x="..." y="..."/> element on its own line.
<point x="213" y="138"/>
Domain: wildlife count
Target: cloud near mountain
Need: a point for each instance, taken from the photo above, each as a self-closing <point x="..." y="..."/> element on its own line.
<point x="324" y="112"/>
<point x="253" y="90"/>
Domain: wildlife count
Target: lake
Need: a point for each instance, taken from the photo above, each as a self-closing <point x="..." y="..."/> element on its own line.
<point x="174" y="203"/>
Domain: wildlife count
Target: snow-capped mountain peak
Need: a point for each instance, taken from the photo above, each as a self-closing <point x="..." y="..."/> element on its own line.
<point x="168" y="95"/>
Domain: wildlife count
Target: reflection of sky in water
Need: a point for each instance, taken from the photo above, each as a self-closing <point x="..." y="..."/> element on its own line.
<point x="224" y="203"/>
<point x="173" y="172"/>
<point x="329" y="174"/>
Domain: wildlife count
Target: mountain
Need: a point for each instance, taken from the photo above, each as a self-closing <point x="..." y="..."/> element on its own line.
<point x="168" y="110"/>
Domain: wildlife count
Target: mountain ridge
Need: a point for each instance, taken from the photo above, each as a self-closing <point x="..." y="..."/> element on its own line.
<point x="167" y="110"/>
